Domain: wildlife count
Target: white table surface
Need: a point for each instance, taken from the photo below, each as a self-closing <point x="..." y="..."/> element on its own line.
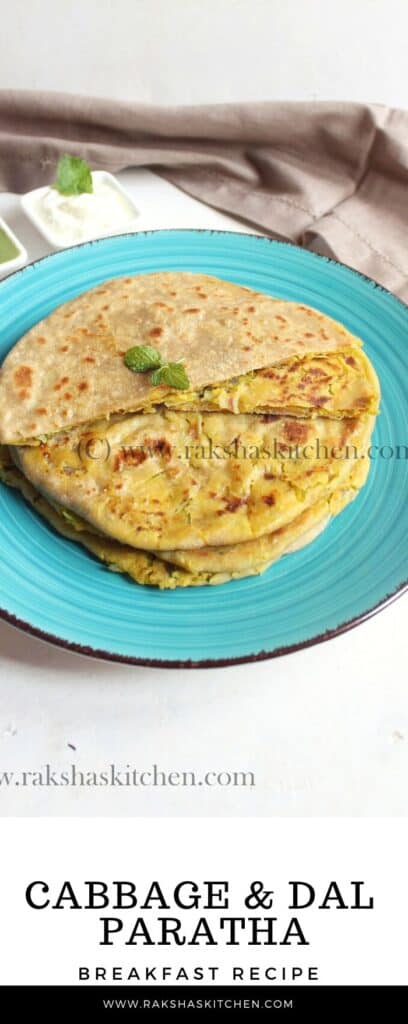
<point x="325" y="731"/>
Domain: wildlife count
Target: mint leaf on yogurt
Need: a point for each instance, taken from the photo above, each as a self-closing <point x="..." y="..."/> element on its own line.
<point x="73" y="176"/>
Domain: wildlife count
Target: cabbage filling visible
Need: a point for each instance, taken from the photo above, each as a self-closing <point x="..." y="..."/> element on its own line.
<point x="335" y="385"/>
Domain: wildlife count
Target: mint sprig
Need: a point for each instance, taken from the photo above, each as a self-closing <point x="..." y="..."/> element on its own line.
<point x="142" y="358"/>
<point x="145" y="358"/>
<point x="73" y="176"/>
<point x="172" y="374"/>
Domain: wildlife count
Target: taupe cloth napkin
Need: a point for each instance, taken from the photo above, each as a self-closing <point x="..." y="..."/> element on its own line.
<point x="329" y="176"/>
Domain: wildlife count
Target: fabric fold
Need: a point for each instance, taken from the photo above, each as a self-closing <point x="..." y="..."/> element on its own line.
<point x="329" y="176"/>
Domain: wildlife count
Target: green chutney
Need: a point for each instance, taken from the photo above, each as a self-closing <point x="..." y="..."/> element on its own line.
<point x="8" y="248"/>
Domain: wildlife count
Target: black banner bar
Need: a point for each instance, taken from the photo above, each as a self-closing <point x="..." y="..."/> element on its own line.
<point x="286" y="1003"/>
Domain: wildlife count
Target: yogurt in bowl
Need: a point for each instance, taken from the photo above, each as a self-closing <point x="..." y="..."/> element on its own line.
<point x="65" y="220"/>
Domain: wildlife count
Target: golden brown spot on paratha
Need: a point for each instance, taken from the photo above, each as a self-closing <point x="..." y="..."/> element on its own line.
<point x="128" y="457"/>
<point x="64" y="380"/>
<point x="23" y="376"/>
<point x="159" y="445"/>
<point x="64" y="348"/>
<point x="269" y="373"/>
<point x="295" y="431"/>
<point x="41" y="340"/>
<point x="23" y="394"/>
<point x="269" y="476"/>
<point x="41" y="411"/>
<point x="83" y="386"/>
<point x="155" y="332"/>
<point x="350" y="361"/>
<point x="232" y="504"/>
<point x="282" y="319"/>
<point x="251" y="309"/>
<point x="269" y="499"/>
<point x="349" y="425"/>
<point x="192" y="310"/>
<point x="315" y="371"/>
<point x="90" y="359"/>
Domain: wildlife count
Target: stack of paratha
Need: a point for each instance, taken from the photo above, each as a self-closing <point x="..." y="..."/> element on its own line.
<point x="181" y="487"/>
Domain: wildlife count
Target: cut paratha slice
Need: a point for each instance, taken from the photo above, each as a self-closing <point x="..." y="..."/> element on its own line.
<point x="336" y="385"/>
<point x="243" y="351"/>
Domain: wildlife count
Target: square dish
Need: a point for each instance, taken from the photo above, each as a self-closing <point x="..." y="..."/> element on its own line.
<point x="51" y="213"/>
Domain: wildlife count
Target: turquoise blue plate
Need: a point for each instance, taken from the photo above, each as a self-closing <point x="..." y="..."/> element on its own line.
<point x="57" y="591"/>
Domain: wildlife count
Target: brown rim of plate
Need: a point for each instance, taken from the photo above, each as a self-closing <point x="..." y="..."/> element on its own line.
<point x="330" y="634"/>
<point x="277" y="652"/>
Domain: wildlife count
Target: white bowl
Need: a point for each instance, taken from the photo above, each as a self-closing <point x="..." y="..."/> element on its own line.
<point x="30" y="200"/>
<point x="18" y="261"/>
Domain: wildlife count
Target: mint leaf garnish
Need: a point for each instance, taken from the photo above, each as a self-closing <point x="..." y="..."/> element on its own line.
<point x="172" y="374"/>
<point x="73" y="176"/>
<point x="141" y="358"/>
